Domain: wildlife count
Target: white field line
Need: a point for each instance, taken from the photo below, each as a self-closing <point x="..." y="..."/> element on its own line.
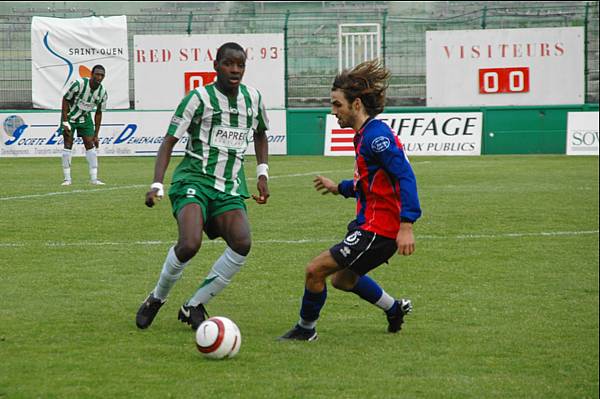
<point x="70" y="192"/>
<point x="20" y="197"/>
<point x="61" y="244"/>
<point x="147" y="185"/>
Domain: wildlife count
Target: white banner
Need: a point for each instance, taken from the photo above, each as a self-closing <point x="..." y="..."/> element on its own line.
<point x="420" y="134"/>
<point x="34" y="134"/>
<point x="64" y="50"/>
<point x="167" y="67"/>
<point x="582" y="133"/>
<point x="538" y="66"/>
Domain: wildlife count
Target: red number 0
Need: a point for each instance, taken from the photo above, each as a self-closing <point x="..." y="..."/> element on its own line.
<point x="503" y="80"/>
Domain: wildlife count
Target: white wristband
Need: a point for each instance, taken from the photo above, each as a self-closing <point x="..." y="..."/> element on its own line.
<point x="67" y="125"/>
<point x="159" y="187"/>
<point x="262" y="170"/>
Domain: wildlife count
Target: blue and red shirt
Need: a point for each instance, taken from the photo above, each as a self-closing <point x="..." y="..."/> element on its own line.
<point x="384" y="184"/>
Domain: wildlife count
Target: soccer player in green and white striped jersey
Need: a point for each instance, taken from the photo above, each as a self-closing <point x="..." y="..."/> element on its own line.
<point x="209" y="187"/>
<point x="82" y="97"/>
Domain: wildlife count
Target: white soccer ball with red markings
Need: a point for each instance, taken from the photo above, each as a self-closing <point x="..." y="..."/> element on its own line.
<point x="218" y="338"/>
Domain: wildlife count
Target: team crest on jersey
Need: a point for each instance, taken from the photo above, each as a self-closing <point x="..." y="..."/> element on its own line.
<point x="352" y="238"/>
<point x="233" y="111"/>
<point x="380" y="144"/>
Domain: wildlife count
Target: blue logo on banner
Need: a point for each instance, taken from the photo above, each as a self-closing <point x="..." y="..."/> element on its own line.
<point x="14" y="126"/>
<point x="69" y="63"/>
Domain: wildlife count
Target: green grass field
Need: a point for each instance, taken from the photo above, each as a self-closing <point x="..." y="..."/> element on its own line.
<point x="504" y="284"/>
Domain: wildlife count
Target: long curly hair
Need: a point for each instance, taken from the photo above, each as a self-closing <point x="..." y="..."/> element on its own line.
<point x="367" y="81"/>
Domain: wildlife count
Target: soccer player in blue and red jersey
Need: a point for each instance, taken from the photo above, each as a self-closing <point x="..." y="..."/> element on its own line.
<point x="387" y="204"/>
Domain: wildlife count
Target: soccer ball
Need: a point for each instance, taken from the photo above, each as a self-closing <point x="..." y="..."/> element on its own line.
<point x="218" y="338"/>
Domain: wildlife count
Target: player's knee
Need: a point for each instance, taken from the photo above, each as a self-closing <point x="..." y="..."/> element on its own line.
<point x="314" y="273"/>
<point x="187" y="248"/>
<point x="241" y="245"/>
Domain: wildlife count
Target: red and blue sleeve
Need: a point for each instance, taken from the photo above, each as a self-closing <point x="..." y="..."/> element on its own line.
<point x="386" y="148"/>
<point x="346" y="188"/>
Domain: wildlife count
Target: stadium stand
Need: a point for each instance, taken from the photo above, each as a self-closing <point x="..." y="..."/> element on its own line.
<point x="312" y="35"/>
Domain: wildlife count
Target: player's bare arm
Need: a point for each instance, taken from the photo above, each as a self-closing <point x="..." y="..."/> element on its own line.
<point x="405" y="239"/>
<point x="97" y="124"/>
<point x="64" y="116"/>
<point x="162" y="162"/>
<point x="261" y="148"/>
<point x="326" y="185"/>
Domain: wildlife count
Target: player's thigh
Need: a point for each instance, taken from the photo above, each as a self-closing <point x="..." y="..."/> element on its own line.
<point x="344" y="279"/>
<point x="88" y="142"/>
<point x="189" y="205"/>
<point x="189" y="224"/>
<point x="227" y="218"/>
<point x="322" y="265"/>
<point x="233" y="226"/>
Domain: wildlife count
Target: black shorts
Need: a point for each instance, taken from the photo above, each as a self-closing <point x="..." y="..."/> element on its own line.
<point x="362" y="251"/>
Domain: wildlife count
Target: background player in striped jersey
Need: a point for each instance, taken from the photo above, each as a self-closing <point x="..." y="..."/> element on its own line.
<point x="387" y="204"/>
<point x="209" y="186"/>
<point x="83" y="96"/>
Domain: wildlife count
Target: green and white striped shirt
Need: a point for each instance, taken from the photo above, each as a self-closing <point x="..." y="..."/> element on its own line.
<point x="219" y="131"/>
<point x="82" y="100"/>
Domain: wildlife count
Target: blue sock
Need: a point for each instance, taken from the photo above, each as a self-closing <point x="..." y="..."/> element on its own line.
<point x="368" y="289"/>
<point x="312" y="302"/>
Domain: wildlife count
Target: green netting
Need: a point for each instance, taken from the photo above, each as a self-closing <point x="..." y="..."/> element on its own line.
<point x="311" y="35"/>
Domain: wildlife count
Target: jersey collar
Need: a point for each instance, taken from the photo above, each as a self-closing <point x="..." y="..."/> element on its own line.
<point x="364" y="125"/>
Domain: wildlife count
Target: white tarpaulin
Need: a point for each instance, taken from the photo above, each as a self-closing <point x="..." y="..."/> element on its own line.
<point x="582" y="133"/>
<point x="420" y="134"/>
<point x="34" y="134"/>
<point x="536" y="66"/>
<point x="64" y="50"/>
<point x="167" y="67"/>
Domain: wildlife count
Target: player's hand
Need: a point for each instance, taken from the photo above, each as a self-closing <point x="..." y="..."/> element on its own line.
<point x="326" y="185"/>
<point x="66" y="128"/>
<point x="152" y="197"/>
<point x="263" y="191"/>
<point x="96" y="142"/>
<point x="405" y="239"/>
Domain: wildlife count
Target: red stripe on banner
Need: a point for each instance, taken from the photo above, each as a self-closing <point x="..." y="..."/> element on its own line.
<point x="342" y="148"/>
<point x="342" y="139"/>
<point x="342" y="131"/>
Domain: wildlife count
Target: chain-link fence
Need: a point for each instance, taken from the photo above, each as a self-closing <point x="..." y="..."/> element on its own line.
<point x="311" y="35"/>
